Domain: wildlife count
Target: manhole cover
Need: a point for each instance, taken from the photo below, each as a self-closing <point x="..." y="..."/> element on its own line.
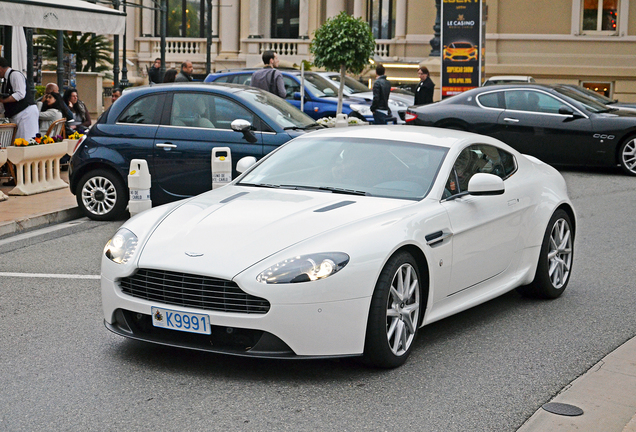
<point x="563" y="409"/>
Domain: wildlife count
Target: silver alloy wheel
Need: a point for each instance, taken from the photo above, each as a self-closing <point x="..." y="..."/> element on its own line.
<point x="99" y="195"/>
<point x="560" y="253"/>
<point x="403" y="309"/>
<point x="628" y="156"/>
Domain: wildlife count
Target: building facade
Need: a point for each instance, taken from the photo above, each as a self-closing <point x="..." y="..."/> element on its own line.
<point x="591" y="42"/>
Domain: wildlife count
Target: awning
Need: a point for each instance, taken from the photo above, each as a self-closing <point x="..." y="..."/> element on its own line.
<point x="71" y="15"/>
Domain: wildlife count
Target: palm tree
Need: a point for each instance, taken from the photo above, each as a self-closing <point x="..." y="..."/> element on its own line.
<point x="93" y="53"/>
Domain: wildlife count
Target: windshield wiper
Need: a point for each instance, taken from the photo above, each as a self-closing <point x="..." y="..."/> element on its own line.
<point x="263" y="185"/>
<point x="328" y="189"/>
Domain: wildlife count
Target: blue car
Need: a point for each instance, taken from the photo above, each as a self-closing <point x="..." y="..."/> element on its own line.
<point x="174" y="127"/>
<point x="321" y="95"/>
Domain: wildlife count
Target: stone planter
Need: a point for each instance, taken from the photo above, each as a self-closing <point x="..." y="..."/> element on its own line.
<point x="71" y="146"/>
<point x="37" y="167"/>
<point x="3" y="160"/>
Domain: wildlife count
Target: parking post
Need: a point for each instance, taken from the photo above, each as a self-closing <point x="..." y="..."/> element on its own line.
<point x="221" y="166"/>
<point x="139" y="186"/>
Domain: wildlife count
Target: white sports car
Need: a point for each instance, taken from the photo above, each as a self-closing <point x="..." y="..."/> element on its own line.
<point x="342" y="242"/>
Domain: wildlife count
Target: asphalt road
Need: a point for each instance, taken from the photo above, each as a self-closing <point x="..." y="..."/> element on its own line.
<point x="487" y="369"/>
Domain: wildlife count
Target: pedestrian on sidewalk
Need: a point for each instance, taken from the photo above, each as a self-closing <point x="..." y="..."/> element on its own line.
<point x="381" y="92"/>
<point x="425" y="88"/>
<point x="186" y="72"/>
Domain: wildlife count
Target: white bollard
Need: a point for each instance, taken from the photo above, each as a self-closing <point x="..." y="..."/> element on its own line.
<point x="139" y="186"/>
<point x="342" y="120"/>
<point x="221" y="166"/>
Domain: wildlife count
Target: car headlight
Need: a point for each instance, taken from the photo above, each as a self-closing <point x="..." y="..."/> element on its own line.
<point x="304" y="268"/>
<point x="364" y="110"/>
<point x="122" y="247"/>
<point x="397" y="103"/>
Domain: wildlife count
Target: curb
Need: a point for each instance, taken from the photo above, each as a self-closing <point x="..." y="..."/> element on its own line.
<point x="36" y="221"/>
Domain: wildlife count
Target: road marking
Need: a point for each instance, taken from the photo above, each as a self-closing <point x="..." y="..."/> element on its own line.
<point x="49" y="275"/>
<point x="42" y="231"/>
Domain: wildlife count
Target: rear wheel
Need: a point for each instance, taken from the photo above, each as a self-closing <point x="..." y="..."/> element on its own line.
<point x="395" y="313"/>
<point x="101" y="195"/>
<point x="627" y="156"/>
<point x="555" y="260"/>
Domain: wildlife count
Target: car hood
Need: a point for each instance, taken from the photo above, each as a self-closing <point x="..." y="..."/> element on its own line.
<point x="225" y="231"/>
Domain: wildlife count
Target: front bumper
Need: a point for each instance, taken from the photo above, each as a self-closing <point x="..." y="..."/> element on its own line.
<point x="307" y="330"/>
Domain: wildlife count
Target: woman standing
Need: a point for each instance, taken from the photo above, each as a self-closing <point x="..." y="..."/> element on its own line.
<point x="425" y="89"/>
<point x="80" y="113"/>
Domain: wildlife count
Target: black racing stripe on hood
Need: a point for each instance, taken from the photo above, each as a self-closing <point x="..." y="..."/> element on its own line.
<point x="334" y="206"/>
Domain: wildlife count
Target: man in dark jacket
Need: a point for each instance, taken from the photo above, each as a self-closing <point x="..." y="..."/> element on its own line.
<point x="154" y="73"/>
<point x="381" y="92"/>
<point x="186" y="72"/>
<point x="269" y="78"/>
<point x="425" y="88"/>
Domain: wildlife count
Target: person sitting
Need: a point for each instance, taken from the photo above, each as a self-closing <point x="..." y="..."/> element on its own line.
<point x="51" y="108"/>
<point x="170" y="76"/>
<point x="80" y="114"/>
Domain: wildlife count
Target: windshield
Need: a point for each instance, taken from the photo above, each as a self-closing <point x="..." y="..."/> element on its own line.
<point x="353" y="166"/>
<point x="277" y="109"/>
<point x="319" y="86"/>
<point x="596" y="96"/>
<point x="590" y="104"/>
<point x="351" y="85"/>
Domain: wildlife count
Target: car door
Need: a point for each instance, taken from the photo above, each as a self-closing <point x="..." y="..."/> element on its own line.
<point x="194" y="124"/>
<point x="485" y="228"/>
<point x="532" y="124"/>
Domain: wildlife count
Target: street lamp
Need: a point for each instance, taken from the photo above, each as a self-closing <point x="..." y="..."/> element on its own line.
<point x="124" y="71"/>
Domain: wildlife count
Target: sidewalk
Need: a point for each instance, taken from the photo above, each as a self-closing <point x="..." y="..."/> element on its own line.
<point x="20" y="213"/>
<point x="606" y="393"/>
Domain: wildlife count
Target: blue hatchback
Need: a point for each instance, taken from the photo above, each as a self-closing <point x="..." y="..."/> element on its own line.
<point x="174" y="127"/>
<point x="321" y="95"/>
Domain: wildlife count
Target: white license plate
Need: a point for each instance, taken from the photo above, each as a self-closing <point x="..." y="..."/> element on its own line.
<point x="182" y="321"/>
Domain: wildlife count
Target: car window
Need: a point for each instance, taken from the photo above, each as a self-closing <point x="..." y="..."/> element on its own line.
<point x="224" y="79"/>
<point x="142" y="111"/>
<point x="478" y="158"/>
<point x="534" y="101"/>
<point x="275" y="109"/>
<point x="491" y="100"/>
<point x="244" y="79"/>
<point x="291" y="86"/>
<point x="207" y="111"/>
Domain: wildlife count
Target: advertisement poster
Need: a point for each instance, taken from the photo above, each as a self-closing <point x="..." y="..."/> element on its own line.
<point x="462" y="46"/>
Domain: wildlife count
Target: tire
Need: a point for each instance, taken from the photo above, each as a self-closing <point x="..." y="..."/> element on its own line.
<point x="394" y="315"/>
<point x="555" y="260"/>
<point x="101" y="195"/>
<point x="627" y="156"/>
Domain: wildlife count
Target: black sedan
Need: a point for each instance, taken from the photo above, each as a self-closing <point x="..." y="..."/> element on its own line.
<point x="553" y="123"/>
<point x="174" y="127"/>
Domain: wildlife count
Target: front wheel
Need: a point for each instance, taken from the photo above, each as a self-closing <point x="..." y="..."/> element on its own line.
<point x="101" y="195"/>
<point x="555" y="259"/>
<point x="395" y="313"/>
<point x="627" y="156"/>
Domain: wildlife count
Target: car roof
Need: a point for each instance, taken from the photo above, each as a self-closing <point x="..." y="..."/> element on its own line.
<point x="510" y="78"/>
<point x="439" y="137"/>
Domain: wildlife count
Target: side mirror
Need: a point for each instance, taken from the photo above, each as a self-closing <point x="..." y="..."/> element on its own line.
<point x="485" y="184"/>
<point x="244" y="163"/>
<point x="241" y="125"/>
<point x="296" y="95"/>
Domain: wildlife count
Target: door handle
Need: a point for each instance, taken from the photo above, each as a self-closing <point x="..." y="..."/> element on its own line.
<point x="166" y="145"/>
<point x="511" y="120"/>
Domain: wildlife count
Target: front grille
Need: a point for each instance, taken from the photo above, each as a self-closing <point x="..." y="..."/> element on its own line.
<point x="201" y="292"/>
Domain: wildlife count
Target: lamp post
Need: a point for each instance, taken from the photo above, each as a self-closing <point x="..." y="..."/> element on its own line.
<point x="435" y="42"/>
<point x="124" y="70"/>
<point x="116" y="4"/>
<point x="60" y="59"/>
<point x="164" y="30"/>
<point x="208" y="33"/>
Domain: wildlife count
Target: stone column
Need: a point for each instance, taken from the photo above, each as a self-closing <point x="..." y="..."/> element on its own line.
<point x="400" y="19"/>
<point x="303" y="19"/>
<point x="255" y="9"/>
<point x="229" y="22"/>
<point x="334" y="7"/>
<point x="358" y="9"/>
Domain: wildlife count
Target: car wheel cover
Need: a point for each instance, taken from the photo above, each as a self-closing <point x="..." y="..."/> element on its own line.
<point x="629" y="156"/>
<point x="99" y="195"/>
<point x="560" y="253"/>
<point x="403" y="309"/>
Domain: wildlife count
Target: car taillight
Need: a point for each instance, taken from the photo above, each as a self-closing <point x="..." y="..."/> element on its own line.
<point x="409" y="117"/>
